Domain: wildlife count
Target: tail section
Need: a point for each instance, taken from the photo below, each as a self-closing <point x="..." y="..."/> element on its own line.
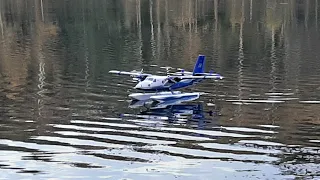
<point x="199" y="66"/>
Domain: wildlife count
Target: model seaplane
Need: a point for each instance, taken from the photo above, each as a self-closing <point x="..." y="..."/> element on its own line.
<point x="161" y="87"/>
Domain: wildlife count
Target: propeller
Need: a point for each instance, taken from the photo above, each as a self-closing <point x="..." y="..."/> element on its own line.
<point x="167" y="68"/>
<point x="171" y="79"/>
<point x="137" y="77"/>
<point x="182" y="72"/>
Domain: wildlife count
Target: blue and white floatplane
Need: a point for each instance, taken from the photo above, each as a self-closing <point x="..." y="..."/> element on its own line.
<point x="161" y="88"/>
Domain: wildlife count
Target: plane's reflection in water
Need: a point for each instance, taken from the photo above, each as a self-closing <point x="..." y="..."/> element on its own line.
<point x="173" y="111"/>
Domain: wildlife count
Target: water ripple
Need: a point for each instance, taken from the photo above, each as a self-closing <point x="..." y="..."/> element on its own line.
<point x="62" y="115"/>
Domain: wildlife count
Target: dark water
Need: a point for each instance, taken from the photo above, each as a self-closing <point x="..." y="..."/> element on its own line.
<point x="60" y="109"/>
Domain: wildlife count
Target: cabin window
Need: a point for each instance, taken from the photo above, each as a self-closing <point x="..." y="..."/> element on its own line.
<point x="154" y="80"/>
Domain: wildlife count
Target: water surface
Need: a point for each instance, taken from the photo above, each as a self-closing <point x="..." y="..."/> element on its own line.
<point x="63" y="116"/>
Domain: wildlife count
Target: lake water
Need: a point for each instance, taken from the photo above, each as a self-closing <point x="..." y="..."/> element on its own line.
<point x="63" y="116"/>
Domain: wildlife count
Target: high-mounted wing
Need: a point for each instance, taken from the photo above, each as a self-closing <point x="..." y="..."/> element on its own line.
<point x="181" y="73"/>
<point x="129" y="73"/>
<point x="135" y="75"/>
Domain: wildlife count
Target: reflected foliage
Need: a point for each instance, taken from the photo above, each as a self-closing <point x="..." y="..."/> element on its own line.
<point x="55" y="55"/>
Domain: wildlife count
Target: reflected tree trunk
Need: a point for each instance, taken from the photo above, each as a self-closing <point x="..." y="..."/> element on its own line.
<point x="250" y="10"/>
<point x="38" y="41"/>
<point x="215" y="32"/>
<point x="190" y="16"/>
<point x="152" y="29"/>
<point x="316" y="11"/>
<point x="166" y="29"/>
<point x="85" y="46"/>
<point x="240" y="51"/>
<point x="240" y="61"/>
<point x="190" y="26"/>
<point x="195" y="17"/>
<point x="306" y="15"/>
<point x="182" y="19"/>
<point x="273" y="60"/>
<point x="216" y="13"/>
<point x="158" y="30"/>
<point x="273" y="74"/>
<point x="138" y="12"/>
<point x="1" y="23"/>
<point x="42" y="16"/>
<point x="293" y="13"/>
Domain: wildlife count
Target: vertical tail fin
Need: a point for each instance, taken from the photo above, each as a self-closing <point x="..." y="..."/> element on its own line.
<point x="199" y="66"/>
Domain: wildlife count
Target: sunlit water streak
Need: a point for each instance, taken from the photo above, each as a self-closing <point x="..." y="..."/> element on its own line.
<point x="62" y="114"/>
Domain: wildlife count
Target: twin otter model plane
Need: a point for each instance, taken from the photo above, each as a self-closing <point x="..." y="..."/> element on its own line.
<point x="163" y="86"/>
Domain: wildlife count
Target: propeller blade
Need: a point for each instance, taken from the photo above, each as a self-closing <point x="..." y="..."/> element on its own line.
<point x="182" y="72"/>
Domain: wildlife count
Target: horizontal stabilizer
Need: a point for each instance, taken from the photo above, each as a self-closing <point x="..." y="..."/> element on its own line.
<point x="217" y="76"/>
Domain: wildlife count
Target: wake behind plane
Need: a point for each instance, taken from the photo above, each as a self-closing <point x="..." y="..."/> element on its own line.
<point x="178" y="80"/>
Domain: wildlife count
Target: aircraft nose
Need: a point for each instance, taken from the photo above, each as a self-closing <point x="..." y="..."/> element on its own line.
<point x="138" y="86"/>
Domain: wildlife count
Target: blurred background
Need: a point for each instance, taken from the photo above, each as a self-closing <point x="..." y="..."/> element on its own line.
<point x="59" y="106"/>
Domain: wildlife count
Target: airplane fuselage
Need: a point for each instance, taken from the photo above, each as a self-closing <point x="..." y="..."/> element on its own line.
<point x="163" y="83"/>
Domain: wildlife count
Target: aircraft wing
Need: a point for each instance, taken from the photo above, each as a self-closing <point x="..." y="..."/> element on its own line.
<point x="181" y="73"/>
<point x="217" y="76"/>
<point x="135" y="74"/>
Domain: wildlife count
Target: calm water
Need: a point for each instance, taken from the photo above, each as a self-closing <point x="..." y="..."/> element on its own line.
<point x="63" y="116"/>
